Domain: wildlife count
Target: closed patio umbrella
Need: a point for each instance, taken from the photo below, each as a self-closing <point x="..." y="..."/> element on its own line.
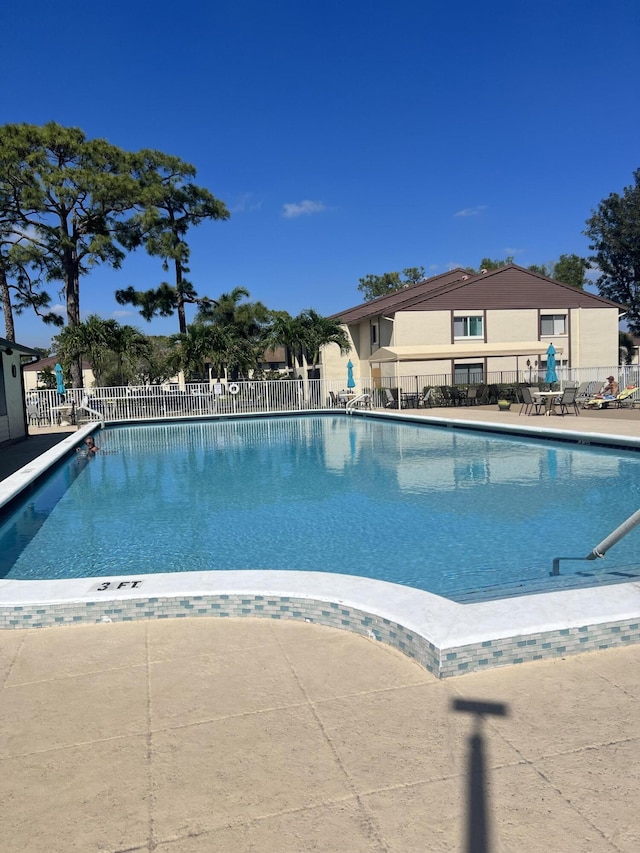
<point x="551" y="376"/>
<point x="60" y="380"/>
<point x="351" y="382"/>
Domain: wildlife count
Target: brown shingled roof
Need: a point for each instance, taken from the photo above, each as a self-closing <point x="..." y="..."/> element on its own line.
<point x="507" y="287"/>
<point x="396" y="301"/>
<point x="50" y="361"/>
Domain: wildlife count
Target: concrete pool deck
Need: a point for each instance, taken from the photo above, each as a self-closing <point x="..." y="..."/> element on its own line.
<point x="210" y="736"/>
<point x="207" y="734"/>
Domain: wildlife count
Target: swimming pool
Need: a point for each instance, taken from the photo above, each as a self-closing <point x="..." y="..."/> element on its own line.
<point x="460" y="514"/>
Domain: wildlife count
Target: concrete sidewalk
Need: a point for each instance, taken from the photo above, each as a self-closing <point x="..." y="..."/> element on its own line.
<point x="15" y="456"/>
<point x="204" y="735"/>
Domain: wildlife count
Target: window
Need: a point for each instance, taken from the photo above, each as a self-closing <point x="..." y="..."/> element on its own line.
<point x="553" y="324"/>
<point x="467" y="327"/>
<point x="468" y="374"/>
<point x="374" y="334"/>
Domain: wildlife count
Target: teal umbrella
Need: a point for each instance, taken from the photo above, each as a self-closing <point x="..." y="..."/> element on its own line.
<point x="351" y="382"/>
<point x="551" y="376"/>
<point x="60" y="381"/>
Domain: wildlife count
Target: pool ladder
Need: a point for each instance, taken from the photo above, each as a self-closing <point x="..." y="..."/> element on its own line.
<point x="361" y="398"/>
<point x="608" y="542"/>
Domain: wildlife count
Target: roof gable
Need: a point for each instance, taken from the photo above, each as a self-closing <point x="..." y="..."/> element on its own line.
<point x="399" y="299"/>
<point x="509" y="287"/>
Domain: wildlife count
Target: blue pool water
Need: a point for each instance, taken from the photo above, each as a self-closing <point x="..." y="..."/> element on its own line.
<point x="452" y="512"/>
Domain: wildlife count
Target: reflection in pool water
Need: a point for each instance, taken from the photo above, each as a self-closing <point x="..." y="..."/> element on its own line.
<point x="439" y="509"/>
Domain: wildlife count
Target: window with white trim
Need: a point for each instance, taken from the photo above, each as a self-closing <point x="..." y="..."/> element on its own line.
<point x="553" y="324"/>
<point x="374" y="334"/>
<point x="468" y="327"/>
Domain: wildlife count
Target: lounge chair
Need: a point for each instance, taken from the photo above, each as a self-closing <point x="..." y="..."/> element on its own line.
<point x="623" y="399"/>
<point x="445" y="393"/>
<point x="391" y="401"/>
<point x="426" y="400"/>
<point x="585" y="392"/>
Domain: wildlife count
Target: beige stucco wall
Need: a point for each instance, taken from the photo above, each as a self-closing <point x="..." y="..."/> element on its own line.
<point x="504" y="326"/>
<point x="594" y="337"/>
<point x="334" y="365"/>
<point x="12" y="425"/>
<point x="413" y="328"/>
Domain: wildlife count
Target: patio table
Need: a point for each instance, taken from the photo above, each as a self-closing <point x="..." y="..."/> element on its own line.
<point x="548" y="398"/>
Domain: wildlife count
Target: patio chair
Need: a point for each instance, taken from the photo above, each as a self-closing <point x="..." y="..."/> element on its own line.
<point x="445" y="393"/>
<point x="426" y="398"/>
<point x="481" y="394"/>
<point x="624" y="398"/>
<point x="34" y="415"/>
<point x="472" y="397"/>
<point x="391" y="401"/>
<point x="492" y="394"/>
<point x="584" y="392"/>
<point x="567" y="401"/>
<point x="457" y="396"/>
<point x="529" y="402"/>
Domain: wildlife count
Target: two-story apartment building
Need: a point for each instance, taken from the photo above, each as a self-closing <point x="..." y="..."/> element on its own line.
<point x="469" y="326"/>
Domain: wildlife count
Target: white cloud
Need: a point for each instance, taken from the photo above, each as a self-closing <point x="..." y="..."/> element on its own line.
<point x="59" y="309"/>
<point x="122" y="313"/>
<point x="471" y="211"/>
<point x="303" y="208"/>
<point x="245" y="203"/>
<point x="513" y="252"/>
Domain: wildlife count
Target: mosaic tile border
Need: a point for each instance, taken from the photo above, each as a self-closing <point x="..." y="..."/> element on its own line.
<point x="440" y="662"/>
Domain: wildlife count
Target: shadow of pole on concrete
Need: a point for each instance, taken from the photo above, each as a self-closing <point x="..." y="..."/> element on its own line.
<point x="478" y="828"/>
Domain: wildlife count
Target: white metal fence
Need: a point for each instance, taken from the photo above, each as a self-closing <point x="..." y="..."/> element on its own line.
<point x="195" y="400"/>
<point x="199" y="400"/>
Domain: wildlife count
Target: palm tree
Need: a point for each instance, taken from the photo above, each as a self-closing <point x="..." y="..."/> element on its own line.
<point x="90" y="339"/>
<point x="291" y="333"/>
<point x="129" y="345"/>
<point x="193" y="350"/>
<point x="321" y="332"/>
<point x="98" y="341"/>
<point x="237" y="331"/>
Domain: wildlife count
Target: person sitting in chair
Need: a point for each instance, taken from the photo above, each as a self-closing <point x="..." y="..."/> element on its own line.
<point x="609" y="391"/>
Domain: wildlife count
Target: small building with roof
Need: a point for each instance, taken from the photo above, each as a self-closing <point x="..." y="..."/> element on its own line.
<point x="13" y="421"/>
<point x="33" y="373"/>
<point x="468" y="326"/>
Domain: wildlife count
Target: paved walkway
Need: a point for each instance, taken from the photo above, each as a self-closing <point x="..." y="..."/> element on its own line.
<point x="206" y="735"/>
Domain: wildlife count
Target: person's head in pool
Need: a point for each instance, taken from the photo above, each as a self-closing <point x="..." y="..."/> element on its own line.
<point x="90" y="447"/>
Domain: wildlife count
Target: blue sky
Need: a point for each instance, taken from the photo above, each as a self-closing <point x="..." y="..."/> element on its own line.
<point x="345" y="138"/>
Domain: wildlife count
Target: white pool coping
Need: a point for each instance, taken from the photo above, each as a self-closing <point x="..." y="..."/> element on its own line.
<point x="446" y="636"/>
